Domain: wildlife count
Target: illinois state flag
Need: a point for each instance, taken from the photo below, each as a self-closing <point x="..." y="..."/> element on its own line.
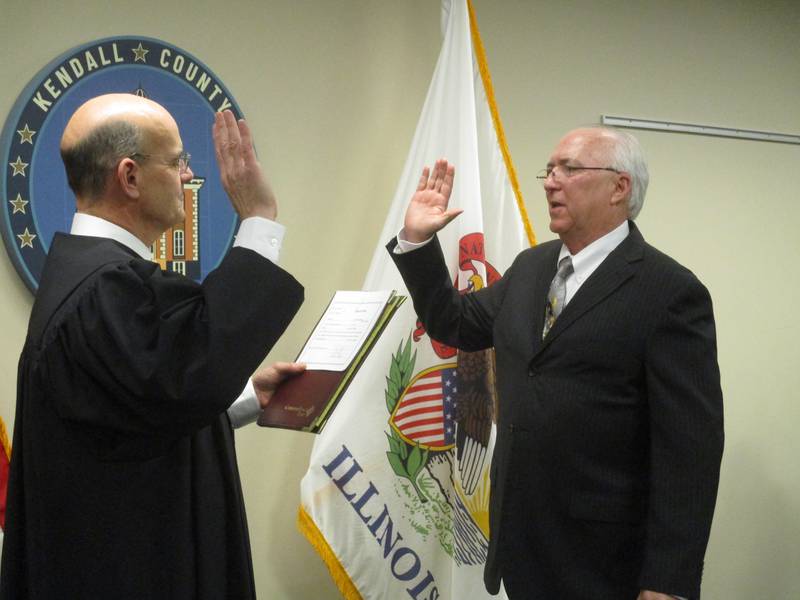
<point x="396" y="496"/>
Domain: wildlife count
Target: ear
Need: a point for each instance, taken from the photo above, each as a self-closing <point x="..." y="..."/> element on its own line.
<point x="127" y="176"/>
<point x="622" y="189"/>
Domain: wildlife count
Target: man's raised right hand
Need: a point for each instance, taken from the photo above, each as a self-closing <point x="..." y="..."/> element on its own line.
<point x="427" y="212"/>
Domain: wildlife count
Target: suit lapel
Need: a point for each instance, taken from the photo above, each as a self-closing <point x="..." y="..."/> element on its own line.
<point x="616" y="269"/>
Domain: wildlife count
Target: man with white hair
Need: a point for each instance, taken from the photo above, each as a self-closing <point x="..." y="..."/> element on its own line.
<point x="610" y="426"/>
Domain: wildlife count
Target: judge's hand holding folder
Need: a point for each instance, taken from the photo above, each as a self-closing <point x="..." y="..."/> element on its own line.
<point x="267" y="380"/>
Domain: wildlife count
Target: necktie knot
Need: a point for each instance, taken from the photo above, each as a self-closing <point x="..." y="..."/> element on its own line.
<point x="557" y="294"/>
<point x="564" y="268"/>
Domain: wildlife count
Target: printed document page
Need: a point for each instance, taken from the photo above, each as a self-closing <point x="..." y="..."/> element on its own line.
<point x="343" y="328"/>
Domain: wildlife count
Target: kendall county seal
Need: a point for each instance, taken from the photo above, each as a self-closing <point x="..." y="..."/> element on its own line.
<point x="37" y="198"/>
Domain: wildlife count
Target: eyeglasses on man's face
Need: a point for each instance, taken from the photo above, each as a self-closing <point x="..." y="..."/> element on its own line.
<point x="566" y="171"/>
<point x="180" y="162"/>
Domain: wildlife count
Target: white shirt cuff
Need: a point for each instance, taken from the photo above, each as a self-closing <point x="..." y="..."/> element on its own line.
<point x="261" y="235"/>
<point x="404" y="246"/>
<point x="246" y="408"/>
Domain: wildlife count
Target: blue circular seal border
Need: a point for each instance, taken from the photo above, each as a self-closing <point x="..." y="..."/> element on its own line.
<point x="36" y="199"/>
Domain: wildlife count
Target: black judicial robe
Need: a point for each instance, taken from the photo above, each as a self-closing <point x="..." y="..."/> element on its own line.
<point x="124" y="481"/>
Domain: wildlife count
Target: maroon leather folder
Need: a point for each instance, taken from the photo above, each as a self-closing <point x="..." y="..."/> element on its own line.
<point x="300" y="400"/>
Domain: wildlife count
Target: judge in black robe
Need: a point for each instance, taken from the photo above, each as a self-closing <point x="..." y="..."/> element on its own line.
<point x="124" y="481"/>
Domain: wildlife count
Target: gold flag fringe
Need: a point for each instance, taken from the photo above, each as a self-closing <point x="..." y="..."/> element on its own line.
<point x="314" y="536"/>
<point x="4" y="439"/>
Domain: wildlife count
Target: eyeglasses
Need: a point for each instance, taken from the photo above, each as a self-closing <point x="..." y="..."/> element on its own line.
<point x="567" y="171"/>
<point x="181" y="162"/>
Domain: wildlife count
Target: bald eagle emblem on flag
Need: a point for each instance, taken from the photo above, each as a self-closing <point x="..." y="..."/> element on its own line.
<point x="440" y="423"/>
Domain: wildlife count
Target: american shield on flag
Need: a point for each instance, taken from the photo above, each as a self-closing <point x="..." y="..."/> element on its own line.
<point x="396" y="496"/>
<point x="425" y="412"/>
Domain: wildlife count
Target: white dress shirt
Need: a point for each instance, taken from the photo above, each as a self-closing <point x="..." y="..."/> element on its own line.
<point x="255" y="233"/>
<point x="585" y="262"/>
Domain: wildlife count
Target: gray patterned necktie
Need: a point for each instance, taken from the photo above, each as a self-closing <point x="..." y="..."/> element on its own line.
<point x="557" y="294"/>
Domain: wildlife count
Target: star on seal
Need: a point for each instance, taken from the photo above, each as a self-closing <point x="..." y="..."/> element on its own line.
<point x="140" y="53"/>
<point x="18" y="166"/>
<point x="26" y="238"/>
<point x="19" y="204"/>
<point x="26" y="135"/>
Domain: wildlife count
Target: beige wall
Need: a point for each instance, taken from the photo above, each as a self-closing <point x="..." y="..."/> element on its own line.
<point x="333" y="91"/>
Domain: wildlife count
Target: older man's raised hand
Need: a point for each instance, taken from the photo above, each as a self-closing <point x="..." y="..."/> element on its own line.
<point x="427" y="212"/>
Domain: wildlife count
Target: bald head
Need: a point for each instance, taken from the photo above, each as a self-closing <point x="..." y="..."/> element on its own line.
<point x="104" y="130"/>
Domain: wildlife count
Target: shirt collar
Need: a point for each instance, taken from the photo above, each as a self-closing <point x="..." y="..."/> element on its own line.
<point x="587" y="260"/>
<point x="91" y="226"/>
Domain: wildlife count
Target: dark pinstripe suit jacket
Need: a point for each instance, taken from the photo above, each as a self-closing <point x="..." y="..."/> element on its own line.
<point x="610" y="430"/>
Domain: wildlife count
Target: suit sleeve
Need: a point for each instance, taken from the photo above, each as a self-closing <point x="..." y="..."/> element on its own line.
<point x="464" y="321"/>
<point x="140" y="351"/>
<point x="686" y="440"/>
